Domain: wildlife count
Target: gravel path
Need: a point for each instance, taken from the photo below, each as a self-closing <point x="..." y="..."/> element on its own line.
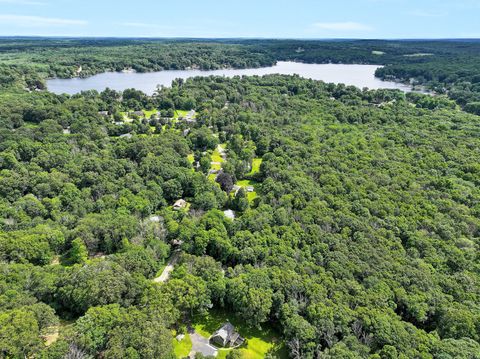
<point x="169" y="268"/>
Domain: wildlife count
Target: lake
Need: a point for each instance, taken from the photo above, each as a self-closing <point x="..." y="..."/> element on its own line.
<point x="356" y="75"/>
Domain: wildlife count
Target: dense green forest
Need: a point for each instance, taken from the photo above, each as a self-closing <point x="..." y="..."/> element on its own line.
<point x="449" y="67"/>
<point x="360" y="238"/>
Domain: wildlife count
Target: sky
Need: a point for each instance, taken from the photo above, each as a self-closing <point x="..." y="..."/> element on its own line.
<point x="367" y="19"/>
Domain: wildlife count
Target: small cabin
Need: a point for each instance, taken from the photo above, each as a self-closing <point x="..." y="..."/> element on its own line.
<point x="227" y="337"/>
<point x="180" y="204"/>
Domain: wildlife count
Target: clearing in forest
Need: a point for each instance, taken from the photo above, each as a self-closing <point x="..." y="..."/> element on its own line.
<point x="259" y="341"/>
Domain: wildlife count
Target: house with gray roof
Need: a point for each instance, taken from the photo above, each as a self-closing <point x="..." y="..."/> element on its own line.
<point x="227" y="337"/>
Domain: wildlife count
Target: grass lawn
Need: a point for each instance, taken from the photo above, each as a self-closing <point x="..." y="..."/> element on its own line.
<point x="180" y="113"/>
<point x="212" y="177"/>
<point x="149" y="113"/>
<point x="216" y="156"/>
<point x="245" y="183"/>
<point x="216" y="166"/>
<point x="259" y="342"/>
<point x="251" y="196"/>
<point x="182" y="348"/>
<point x="255" y="166"/>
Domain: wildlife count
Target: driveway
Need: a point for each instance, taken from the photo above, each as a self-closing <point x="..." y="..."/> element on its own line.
<point x="168" y="268"/>
<point x="201" y="345"/>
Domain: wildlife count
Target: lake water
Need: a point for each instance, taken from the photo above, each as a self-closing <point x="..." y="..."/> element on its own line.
<point x="357" y="75"/>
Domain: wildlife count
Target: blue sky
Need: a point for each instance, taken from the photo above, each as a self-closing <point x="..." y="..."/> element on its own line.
<point x="243" y="18"/>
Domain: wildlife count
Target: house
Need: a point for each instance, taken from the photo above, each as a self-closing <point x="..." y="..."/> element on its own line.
<point x="139" y="113"/>
<point x="177" y="242"/>
<point x="180" y="204"/>
<point x="190" y="116"/>
<point x="250" y="189"/>
<point x="103" y="113"/>
<point x="126" y="135"/>
<point x="229" y="214"/>
<point x="227" y="337"/>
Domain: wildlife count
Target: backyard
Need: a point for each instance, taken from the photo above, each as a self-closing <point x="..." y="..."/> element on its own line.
<point x="259" y="341"/>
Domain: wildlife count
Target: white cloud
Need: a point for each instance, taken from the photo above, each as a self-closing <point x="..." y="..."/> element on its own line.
<point x="38" y="21"/>
<point x="422" y="13"/>
<point x="342" y="26"/>
<point x="23" y="2"/>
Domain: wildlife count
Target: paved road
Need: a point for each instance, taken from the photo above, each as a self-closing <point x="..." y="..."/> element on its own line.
<point x="169" y="268"/>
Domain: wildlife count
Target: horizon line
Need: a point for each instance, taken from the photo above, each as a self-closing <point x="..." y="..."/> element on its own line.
<point x="236" y="38"/>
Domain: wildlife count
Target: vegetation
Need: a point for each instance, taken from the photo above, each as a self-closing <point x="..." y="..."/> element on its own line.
<point x="362" y="241"/>
<point x="445" y="67"/>
<point x="261" y="342"/>
<point x="183" y="347"/>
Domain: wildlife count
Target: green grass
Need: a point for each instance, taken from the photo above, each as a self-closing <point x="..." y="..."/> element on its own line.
<point x="149" y="113"/>
<point x="251" y="196"/>
<point x="215" y="166"/>
<point x="259" y="341"/>
<point x="191" y="158"/>
<point x="245" y="183"/>
<point x="182" y="348"/>
<point x="160" y="270"/>
<point x="125" y="117"/>
<point x="255" y="166"/>
<point x="216" y="157"/>
<point x="180" y="113"/>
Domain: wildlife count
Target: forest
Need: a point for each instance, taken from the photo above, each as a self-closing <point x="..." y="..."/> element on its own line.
<point x="359" y="238"/>
<point x="448" y="67"/>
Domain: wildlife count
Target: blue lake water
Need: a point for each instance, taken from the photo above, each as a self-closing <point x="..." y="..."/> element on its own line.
<point x="356" y="75"/>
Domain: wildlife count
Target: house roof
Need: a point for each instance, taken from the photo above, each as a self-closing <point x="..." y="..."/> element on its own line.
<point x="226" y="331"/>
<point x="180" y="203"/>
<point x="229" y="214"/>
